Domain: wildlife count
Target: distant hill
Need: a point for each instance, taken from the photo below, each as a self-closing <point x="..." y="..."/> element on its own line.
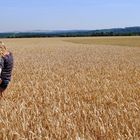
<point x="127" y="31"/>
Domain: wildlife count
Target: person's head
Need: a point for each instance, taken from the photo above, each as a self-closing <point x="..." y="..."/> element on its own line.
<point x="2" y="48"/>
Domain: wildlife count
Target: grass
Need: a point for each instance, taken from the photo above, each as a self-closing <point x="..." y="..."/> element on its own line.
<point x="62" y="90"/>
<point x="120" y="41"/>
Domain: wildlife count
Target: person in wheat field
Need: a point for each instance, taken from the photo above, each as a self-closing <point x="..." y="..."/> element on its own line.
<point x="6" y="66"/>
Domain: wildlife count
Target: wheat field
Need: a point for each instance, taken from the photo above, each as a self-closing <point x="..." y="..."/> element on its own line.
<point x="62" y="90"/>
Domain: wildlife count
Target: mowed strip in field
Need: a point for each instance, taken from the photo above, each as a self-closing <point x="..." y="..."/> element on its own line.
<point x="120" y="41"/>
<point x="65" y="90"/>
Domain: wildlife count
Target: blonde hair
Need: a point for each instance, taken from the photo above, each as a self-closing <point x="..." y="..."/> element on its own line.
<point x="2" y="48"/>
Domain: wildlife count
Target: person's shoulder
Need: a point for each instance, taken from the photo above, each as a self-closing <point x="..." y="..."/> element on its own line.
<point x="10" y="53"/>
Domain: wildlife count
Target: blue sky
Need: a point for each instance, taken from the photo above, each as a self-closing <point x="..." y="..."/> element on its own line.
<point x="24" y="15"/>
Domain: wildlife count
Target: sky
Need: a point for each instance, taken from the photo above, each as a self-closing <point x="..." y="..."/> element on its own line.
<point x="27" y="15"/>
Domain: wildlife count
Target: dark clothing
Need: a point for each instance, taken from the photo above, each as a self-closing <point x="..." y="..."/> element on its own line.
<point x="4" y="85"/>
<point x="6" y="64"/>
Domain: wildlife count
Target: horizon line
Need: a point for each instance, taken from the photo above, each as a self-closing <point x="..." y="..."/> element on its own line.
<point x="45" y="30"/>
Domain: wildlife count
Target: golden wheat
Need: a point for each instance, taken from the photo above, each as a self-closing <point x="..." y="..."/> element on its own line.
<point x="120" y="41"/>
<point x="62" y="90"/>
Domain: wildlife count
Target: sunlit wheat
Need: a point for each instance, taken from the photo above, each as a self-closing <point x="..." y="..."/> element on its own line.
<point x="64" y="90"/>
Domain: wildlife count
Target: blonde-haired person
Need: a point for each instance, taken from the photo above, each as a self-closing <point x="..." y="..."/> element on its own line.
<point x="6" y="66"/>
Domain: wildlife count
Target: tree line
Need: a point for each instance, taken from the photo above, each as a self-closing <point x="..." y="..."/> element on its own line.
<point x="129" y="31"/>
